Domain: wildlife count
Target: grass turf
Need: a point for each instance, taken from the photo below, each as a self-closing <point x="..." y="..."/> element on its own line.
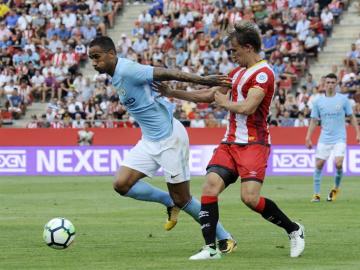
<point x="121" y="233"/>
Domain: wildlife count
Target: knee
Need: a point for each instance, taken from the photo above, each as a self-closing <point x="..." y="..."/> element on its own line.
<point x="339" y="165"/>
<point x="121" y="187"/>
<point x="211" y="188"/>
<point x="180" y="200"/>
<point x="319" y="165"/>
<point x="250" y="200"/>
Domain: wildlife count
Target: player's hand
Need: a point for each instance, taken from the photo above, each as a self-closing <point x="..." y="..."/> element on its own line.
<point x="308" y="143"/>
<point x="222" y="100"/>
<point x="162" y="88"/>
<point x="218" y="80"/>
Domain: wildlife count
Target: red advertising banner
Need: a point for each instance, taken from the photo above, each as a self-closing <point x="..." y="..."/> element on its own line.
<point x="129" y="136"/>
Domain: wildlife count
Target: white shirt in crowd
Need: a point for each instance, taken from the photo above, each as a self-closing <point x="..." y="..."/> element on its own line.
<point x="197" y="123"/>
<point x="301" y="122"/>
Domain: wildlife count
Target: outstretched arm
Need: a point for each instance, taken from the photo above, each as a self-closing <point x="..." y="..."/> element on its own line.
<point x="164" y="74"/>
<point x="247" y="106"/>
<point x="203" y="95"/>
<point x="310" y="131"/>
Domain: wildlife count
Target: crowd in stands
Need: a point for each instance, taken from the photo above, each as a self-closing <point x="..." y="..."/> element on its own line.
<point x="41" y="57"/>
<point x="42" y="45"/>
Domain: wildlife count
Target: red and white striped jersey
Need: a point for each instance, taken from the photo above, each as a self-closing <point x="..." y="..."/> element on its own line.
<point x="246" y="129"/>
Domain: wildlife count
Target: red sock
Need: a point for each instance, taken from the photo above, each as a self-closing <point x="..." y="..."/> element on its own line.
<point x="260" y="206"/>
<point x="208" y="199"/>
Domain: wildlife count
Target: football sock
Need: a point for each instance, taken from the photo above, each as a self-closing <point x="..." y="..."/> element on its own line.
<point x="338" y="176"/>
<point x="269" y="210"/>
<point x="193" y="208"/>
<point x="143" y="191"/>
<point x="317" y="181"/>
<point x="209" y="216"/>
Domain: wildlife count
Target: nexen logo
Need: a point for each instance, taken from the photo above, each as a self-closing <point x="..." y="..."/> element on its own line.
<point x="303" y="161"/>
<point x="293" y="160"/>
<point x="12" y="161"/>
<point x="68" y="161"/>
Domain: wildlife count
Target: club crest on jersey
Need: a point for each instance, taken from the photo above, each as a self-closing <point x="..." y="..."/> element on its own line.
<point x="262" y="77"/>
<point x="337" y="107"/>
<point x="122" y="92"/>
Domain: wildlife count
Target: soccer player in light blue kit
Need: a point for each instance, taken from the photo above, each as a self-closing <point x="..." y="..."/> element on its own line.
<point x="332" y="109"/>
<point x="164" y="142"/>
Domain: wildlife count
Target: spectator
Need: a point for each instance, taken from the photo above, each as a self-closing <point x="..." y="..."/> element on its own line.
<point x="211" y="121"/>
<point x="197" y="121"/>
<point x="327" y="20"/>
<point x="33" y="123"/>
<point x="16" y="104"/>
<point x="286" y="121"/>
<point x="301" y="121"/>
<point x="352" y="59"/>
<point x="312" y="43"/>
<point x="78" y="122"/>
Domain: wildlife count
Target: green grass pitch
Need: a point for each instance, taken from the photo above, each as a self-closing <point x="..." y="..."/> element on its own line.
<point x="120" y="233"/>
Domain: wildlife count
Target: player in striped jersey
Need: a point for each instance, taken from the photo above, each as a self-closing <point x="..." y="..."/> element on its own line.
<point x="245" y="148"/>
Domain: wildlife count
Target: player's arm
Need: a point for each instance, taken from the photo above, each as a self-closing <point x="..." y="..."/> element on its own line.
<point x="315" y="116"/>
<point x="353" y="120"/>
<point x="202" y="95"/>
<point x="313" y="124"/>
<point x="355" y="124"/>
<point x="164" y="74"/>
<point x="247" y="106"/>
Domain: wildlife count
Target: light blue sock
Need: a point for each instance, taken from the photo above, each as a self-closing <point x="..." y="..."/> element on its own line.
<point x="143" y="191"/>
<point x="193" y="209"/>
<point x="317" y="181"/>
<point x="338" y="177"/>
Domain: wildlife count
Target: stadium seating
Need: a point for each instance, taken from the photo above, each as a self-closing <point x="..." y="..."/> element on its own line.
<point x="177" y="34"/>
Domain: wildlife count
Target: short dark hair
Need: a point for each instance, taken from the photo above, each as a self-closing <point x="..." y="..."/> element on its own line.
<point x="331" y="76"/>
<point x="105" y="43"/>
<point x="246" y="33"/>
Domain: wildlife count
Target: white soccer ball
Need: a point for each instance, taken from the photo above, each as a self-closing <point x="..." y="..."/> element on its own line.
<point x="59" y="233"/>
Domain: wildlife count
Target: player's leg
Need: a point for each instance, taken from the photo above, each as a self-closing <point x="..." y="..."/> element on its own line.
<point x="180" y="193"/>
<point x="323" y="152"/>
<point x="127" y="184"/>
<point x="209" y="216"/>
<point x="174" y="159"/>
<point x="319" y="164"/>
<point x="136" y="165"/>
<point x="339" y="153"/>
<point x="252" y="162"/>
<point x="250" y="195"/>
<point x="219" y="175"/>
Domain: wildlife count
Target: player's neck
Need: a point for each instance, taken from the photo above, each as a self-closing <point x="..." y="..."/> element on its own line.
<point x="330" y="93"/>
<point x="112" y="71"/>
<point x="253" y="60"/>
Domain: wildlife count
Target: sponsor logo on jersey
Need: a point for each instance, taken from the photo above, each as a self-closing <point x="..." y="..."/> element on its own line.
<point x="262" y="77"/>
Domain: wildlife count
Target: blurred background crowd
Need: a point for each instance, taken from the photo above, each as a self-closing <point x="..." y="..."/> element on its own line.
<point x="43" y="47"/>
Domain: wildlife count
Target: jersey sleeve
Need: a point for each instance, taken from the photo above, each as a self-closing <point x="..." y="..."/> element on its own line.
<point x="264" y="80"/>
<point x="140" y="74"/>
<point x="347" y="107"/>
<point x="315" y="113"/>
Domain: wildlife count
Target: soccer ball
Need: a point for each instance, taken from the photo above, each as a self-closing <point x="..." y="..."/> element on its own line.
<point x="59" y="233"/>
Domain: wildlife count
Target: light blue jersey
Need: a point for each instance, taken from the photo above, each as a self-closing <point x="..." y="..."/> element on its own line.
<point x="133" y="84"/>
<point x="332" y="111"/>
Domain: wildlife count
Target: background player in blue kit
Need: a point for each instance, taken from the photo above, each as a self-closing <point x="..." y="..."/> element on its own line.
<point x="332" y="110"/>
<point x="164" y="142"/>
